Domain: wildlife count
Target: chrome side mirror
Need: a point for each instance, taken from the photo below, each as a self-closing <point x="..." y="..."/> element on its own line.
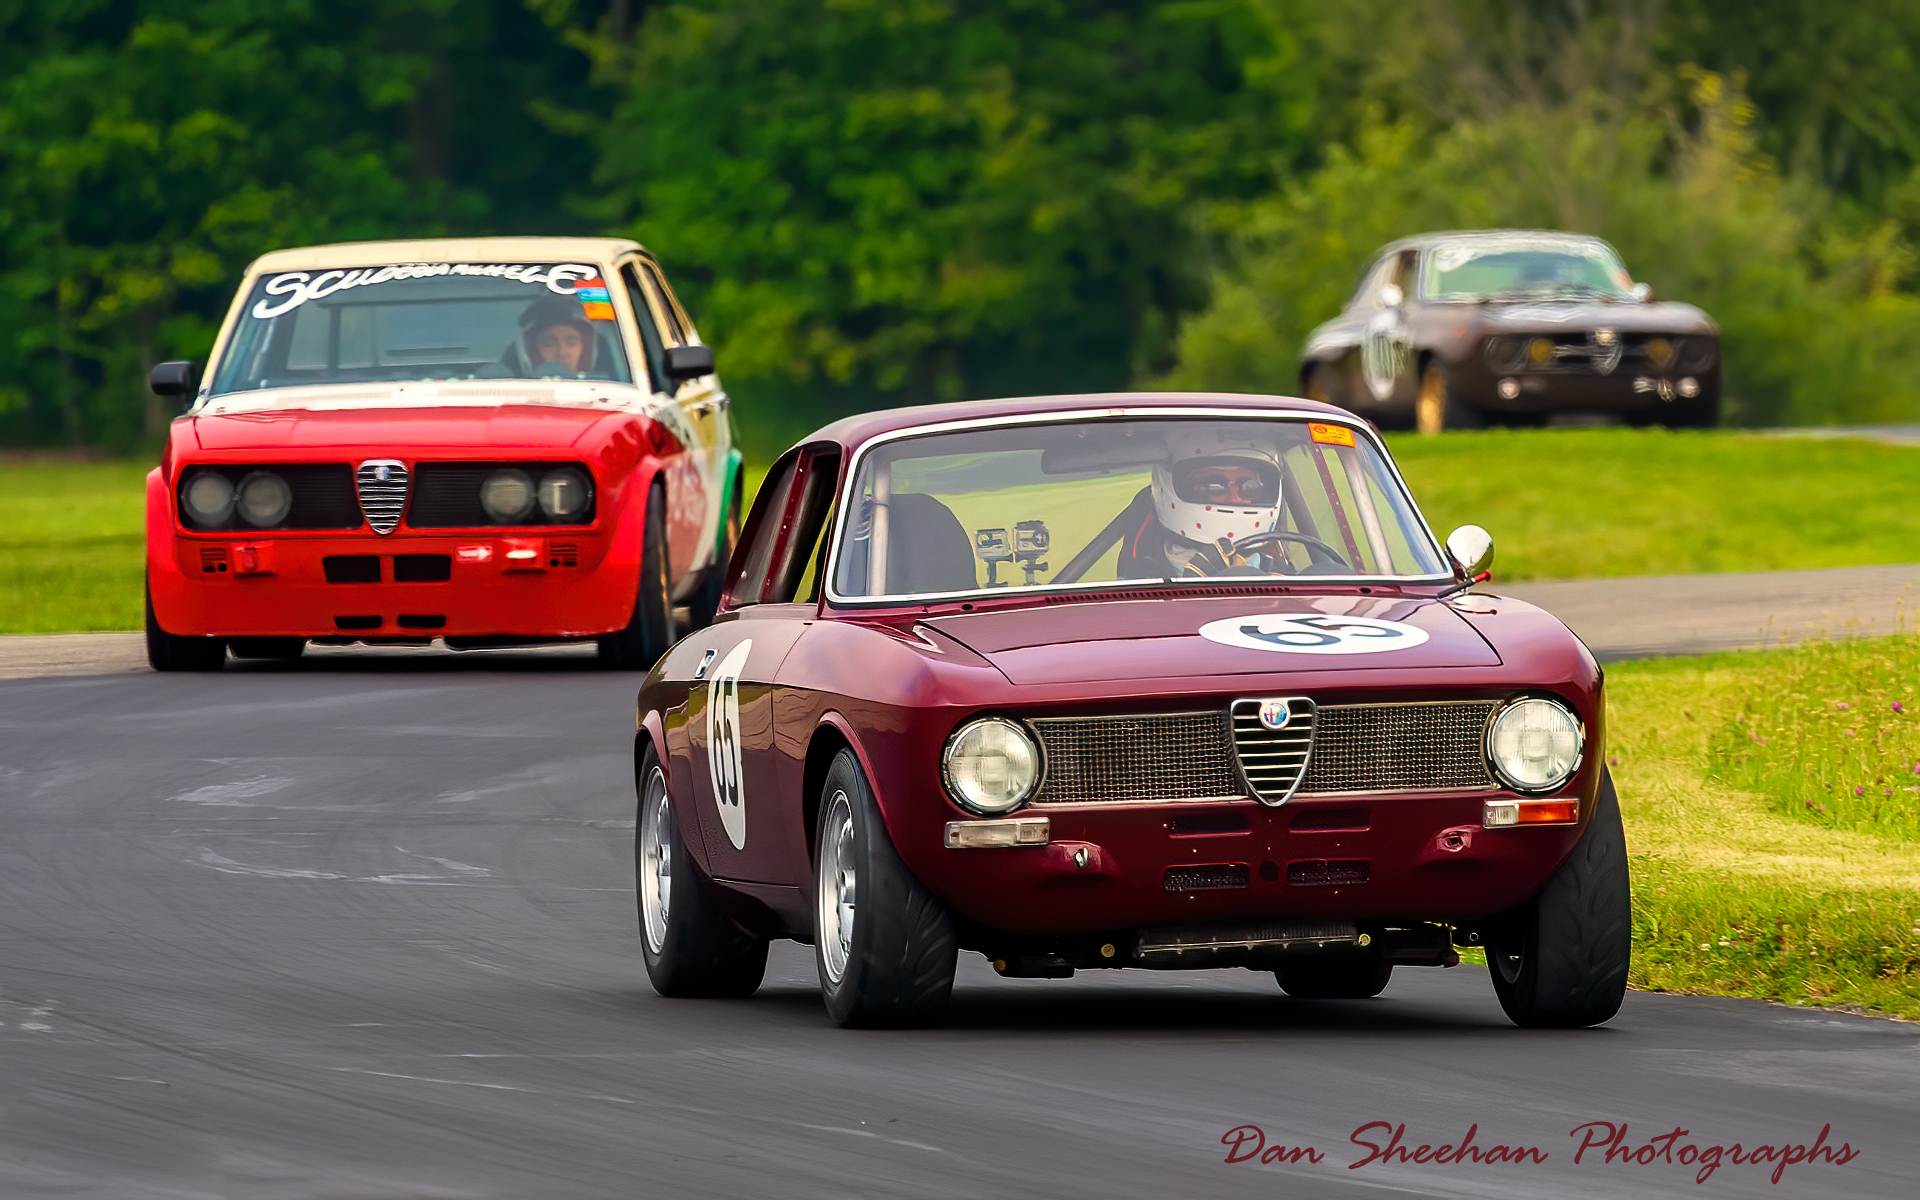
<point x="1391" y="295"/>
<point x="1643" y="292"/>
<point x="1471" y="549"/>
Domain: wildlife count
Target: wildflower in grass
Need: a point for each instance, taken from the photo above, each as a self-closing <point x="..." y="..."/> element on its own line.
<point x="1897" y="707"/>
<point x="1859" y="791"/>
<point x="1843" y="706"/>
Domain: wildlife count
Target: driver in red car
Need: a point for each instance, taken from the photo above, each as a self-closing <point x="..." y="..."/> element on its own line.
<point x="1213" y="489"/>
<point x="556" y="337"/>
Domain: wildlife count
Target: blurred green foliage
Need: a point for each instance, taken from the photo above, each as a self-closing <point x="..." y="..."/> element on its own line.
<point x="884" y="201"/>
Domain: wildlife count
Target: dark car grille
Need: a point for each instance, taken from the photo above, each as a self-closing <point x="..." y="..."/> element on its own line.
<point x="322" y="494"/>
<point x="1354" y="748"/>
<point x="447" y="495"/>
<point x="1584" y="353"/>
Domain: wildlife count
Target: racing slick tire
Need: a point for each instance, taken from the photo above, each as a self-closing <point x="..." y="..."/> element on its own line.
<point x="172" y="652"/>
<point x="1335" y="978"/>
<point x="1560" y="960"/>
<point x="284" y="649"/>
<point x="706" y="602"/>
<point x="691" y="946"/>
<point x="1439" y="407"/>
<point x="650" y="630"/>
<point x="884" y="945"/>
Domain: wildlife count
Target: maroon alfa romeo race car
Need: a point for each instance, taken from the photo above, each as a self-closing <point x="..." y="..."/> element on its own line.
<point x="1159" y="681"/>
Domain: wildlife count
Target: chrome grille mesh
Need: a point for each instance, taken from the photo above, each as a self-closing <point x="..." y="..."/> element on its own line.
<point x="1273" y="758"/>
<point x="1348" y="748"/>
<point x="1170" y="756"/>
<point x="1399" y="748"/>
<point x="382" y="484"/>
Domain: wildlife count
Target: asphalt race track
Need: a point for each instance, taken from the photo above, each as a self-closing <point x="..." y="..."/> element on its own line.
<point x="364" y="928"/>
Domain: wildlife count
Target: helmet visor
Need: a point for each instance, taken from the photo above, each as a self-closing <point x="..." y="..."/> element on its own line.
<point x="1227" y="480"/>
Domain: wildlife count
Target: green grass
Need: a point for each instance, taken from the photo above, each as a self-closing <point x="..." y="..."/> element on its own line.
<point x="1741" y="888"/>
<point x="1584" y="503"/>
<point x="71" y="546"/>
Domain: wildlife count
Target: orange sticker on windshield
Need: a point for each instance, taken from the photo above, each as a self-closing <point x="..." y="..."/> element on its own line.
<point x="1331" y="435"/>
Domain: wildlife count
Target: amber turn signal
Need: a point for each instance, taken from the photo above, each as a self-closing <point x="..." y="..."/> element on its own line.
<point x="1501" y="814"/>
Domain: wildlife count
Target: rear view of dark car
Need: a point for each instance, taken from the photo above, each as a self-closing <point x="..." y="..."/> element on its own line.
<point x="1459" y="330"/>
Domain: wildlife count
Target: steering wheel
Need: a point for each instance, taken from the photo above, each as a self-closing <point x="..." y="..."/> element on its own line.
<point x="1317" y="550"/>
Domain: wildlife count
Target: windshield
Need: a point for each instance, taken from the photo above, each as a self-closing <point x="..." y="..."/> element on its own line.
<point x="1497" y="269"/>
<point x="1093" y="502"/>
<point x="418" y="321"/>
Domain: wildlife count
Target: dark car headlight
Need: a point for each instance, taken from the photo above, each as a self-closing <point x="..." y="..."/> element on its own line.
<point x="991" y="765"/>
<point x="207" y="498"/>
<point x="565" y="493"/>
<point x="507" y="495"/>
<point x="1534" y="744"/>
<point x="264" y="499"/>
<point x="1506" y="354"/>
<point x="1696" y="354"/>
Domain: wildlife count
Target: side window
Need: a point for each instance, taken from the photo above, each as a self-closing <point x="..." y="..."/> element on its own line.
<point x="679" y="328"/>
<point x="763" y="533"/>
<point x="798" y="576"/>
<point x="649" y="335"/>
<point x="1368" y="293"/>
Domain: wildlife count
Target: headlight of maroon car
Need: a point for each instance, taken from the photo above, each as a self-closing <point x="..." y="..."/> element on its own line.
<point x="992" y="765"/>
<point x="1534" y="744"/>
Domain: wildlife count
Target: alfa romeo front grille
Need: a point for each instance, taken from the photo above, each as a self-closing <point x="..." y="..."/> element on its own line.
<point x="1161" y="756"/>
<point x="382" y="483"/>
<point x="1329" y="750"/>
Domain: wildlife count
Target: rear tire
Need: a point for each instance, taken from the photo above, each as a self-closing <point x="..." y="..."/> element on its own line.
<point x="1560" y="960"/>
<point x="650" y="630"/>
<point x="691" y="947"/>
<point x="172" y="652"/>
<point x="285" y="649"/>
<point x="1439" y="407"/>
<point x="706" y="602"/>
<point x="1335" y="978"/>
<point x="884" y="945"/>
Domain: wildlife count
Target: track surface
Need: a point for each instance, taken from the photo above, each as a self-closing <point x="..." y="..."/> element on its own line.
<point x="363" y="928"/>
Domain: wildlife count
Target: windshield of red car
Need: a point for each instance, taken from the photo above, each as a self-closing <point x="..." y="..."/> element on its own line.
<point x="1493" y="269"/>
<point x="419" y="321"/>
<point x="1093" y="502"/>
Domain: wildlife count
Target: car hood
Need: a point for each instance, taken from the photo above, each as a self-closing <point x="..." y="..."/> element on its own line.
<point x="1081" y="641"/>
<point x="1548" y="316"/>
<point x="401" y="431"/>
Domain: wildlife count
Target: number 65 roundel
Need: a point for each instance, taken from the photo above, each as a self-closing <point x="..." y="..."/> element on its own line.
<point x="723" y="742"/>
<point x="1313" y="633"/>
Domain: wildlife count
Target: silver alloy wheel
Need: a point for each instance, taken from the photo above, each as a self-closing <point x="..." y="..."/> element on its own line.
<point x="656" y="860"/>
<point x="836" y="887"/>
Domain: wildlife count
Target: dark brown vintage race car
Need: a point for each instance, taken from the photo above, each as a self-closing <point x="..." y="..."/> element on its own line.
<point x="1156" y="681"/>
<point x="1456" y="330"/>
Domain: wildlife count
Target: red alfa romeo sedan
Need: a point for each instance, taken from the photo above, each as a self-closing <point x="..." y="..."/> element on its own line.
<point x="1153" y="681"/>
<point x="494" y="441"/>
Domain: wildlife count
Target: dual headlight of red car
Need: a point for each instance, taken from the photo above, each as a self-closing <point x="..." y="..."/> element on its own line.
<point x="993" y="765"/>
<point x="213" y="497"/>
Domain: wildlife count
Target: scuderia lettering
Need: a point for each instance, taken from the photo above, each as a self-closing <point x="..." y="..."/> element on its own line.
<point x="290" y="289"/>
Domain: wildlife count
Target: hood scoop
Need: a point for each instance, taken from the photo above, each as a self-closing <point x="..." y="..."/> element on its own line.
<point x="382" y="484"/>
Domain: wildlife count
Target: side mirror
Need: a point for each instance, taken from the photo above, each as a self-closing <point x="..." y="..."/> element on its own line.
<point x="689" y="362"/>
<point x="1471" y="549"/>
<point x="174" y="379"/>
<point x="1391" y="295"/>
<point x="1643" y="292"/>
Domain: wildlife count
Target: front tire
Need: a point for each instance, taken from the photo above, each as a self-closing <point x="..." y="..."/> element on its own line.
<point x="691" y="947"/>
<point x="884" y="945"/>
<point x="172" y="652"/>
<point x="1335" y="978"/>
<point x="1560" y="960"/>
<point x="650" y="630"/>
<point x="1439" y="407"/>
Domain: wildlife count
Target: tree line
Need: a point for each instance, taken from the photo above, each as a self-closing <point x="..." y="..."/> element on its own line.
<point x="869" y="202"/>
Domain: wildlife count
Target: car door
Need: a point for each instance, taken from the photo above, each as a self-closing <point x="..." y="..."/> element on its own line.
<point x="701" y="399"/>
<point x="692" y="490"/>
<point x="740" y="770"/>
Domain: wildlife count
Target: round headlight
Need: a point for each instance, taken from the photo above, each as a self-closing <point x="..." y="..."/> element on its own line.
<point x="265" y="499"/>
<point x="564" y="493"/>
<point x="507" y="495"/>
<point x="991" y="765"/>
<point x="208" y="498"/>
<point x="1506" y="353"/>
<point x="1696" y="354"/>
<point x="1535" y="744"/>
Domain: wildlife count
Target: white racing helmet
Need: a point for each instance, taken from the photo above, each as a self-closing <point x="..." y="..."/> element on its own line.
<point x="1188" y="506"/>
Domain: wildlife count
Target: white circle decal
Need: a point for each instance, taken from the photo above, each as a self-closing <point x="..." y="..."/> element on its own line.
<point x="723" y="743"/>
<point x="1313" y="633"/>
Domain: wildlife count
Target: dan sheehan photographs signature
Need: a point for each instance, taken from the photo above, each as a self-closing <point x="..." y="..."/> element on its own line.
<point x="1599" y="1143"/>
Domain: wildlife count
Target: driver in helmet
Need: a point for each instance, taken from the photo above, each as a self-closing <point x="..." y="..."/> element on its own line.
<point x="556" y="338"/>
<point x="1215" y="487"/>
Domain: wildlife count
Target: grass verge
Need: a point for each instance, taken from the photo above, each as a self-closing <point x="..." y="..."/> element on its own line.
<point x="1740" y="888"/>
<point x="72" y="546"/>
<point x="1586" y="503"/>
